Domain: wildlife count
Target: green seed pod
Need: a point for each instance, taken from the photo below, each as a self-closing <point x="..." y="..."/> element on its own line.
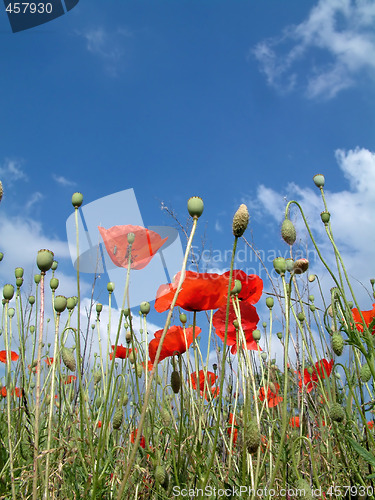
<point x="311" y="278"/>
<point x="263" y="355"/>
<point x="110" y="287"/>
<point x="125" y="400"/>
<point x="301" y="316"/>
<point x="11" y="312"/>
<point x="304" y="490"/>
<point x="1" y="256"/>
<point x="311" y="298"/>
<point x="31" y="300"/>
<point x="32" y="328"/>
<point x="365" y="373"/>
<point x="98" y="402"/>
<point x="68" y="359"/>
<point x="60" y="304"/>
<point x="139" y="370"/>
<point x="18" y="272"/>
<point x="54" y="265"/>
<point x="195" y="206"/>
<point x="325" y="216"/>
<point x="44" y="260"/>
<point x="256" y="335"/>
<point x="145" y="308"/>
<point x="77" y="200"/>
<point x="289" y="264"/>
<point x="175" y="381"/>
<point x="97" y="377"/>
<point x="37" y="278"/>
<point x="240" y="221"/>
<point x="132" y="357"/>
<point x="252" y="436"/>
<point x="54" y="283"/>
<point x="279" y="335"/>
<point x="183" y="318"/>
<point x="99" y="307"/>
<point x="19" y="282"/>
<point x="236" y="288"/>
<point x="117" y="418"/>
<point x="236" y="324"/>
<point x="70" y="303"/>
<point x="269" y="302"/>
<point x="336" y="412"/>
<point x="161" y="476"/>
<point x="131" y="238"/>
<point x="319" y="180"/>
<point x="8" y="292"/>
<point x="337" y="344"/>
<point x="279" y="265"/>
<point x="165" y="417"/>
<point x="288" y="232"/>
<point x="312" y="307"/>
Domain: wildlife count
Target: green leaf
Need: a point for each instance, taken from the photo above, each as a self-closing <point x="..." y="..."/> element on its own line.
<point x="366" y="455"/>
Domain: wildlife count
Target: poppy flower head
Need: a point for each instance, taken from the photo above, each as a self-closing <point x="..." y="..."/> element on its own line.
<point x="206" y="383"/>
<point x="13" y="356"/>
<point x="272" y="395"/>
<point x="142" y="442"/>
<point x="322" y="369"/>
<point x="232" y="422"/>
<point x="49" y="361"/>
<point x="249" y="321"/>
<point x="121" y="352"/>
<point x="174" y="342"/>
<point x="294" y="422"/>
<point x="70" y="379"/>
<point x="145" y="246"/>
<point x="368" y="316"/>
<point x="251" y="285"/>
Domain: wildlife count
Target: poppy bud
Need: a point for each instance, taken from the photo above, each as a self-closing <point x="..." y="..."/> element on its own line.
<point x="44" y="260"/>
<point x="301" y="266"/>
<point x="99" y="307"/>
<point x="279" y="265"/>
<point x="11" y="312"/>
<point x="125" y="400"/>
<point x="132" y="357"/>
<point x="319" y="180"/>
<point x="288" y="232"/>
<point x="70" y="303"/>
<point x="68" y="359"/>
<point x="19" y="282"/>
<point x="117" y="418"/>
<point x="54" y="265"/>
<point x="32" y="328"/>
<point x="145" y="308"/>
<point x="165" y="416"/>
<point x="54" y="283"/>
<point x="77" y="200"/>
<point x="264" y="355"/>
<point x="110" y="287"/>
<point x="97" y="376"/>
<point x="312" y="307"/>
<point x="1" y="256"/>
<point x="175" y="381"/>
<point x="31" y="300"/>
<point x="365" y="373"/>
<point x="304" y="489"/>
<point x="195" y="206"/>
<point x="139" y="370"/>
<point x="252" y="436"/>
<point x="337" y="413"/>
<point x="236" y="323"/>
<point x="128" y="337"/>
<point x="301" y="316"/>
<point x="256" y="335"/>
<point x="279" y="335"/>
<point x="161" y="476"/>
<point x="311" y="278"/>
<point x="60" y="304"/>
<point x="325" y="216"/>
<point x="183" y="318"/>
<point x="337" y="344"/>
<point x="236" y="288"/>
<point x="18" y="272"/>
<point x="269" y="302"/>
<point x="240" y="221"/>
<point x="37" y="278"/>
<point x="8" y="292"/>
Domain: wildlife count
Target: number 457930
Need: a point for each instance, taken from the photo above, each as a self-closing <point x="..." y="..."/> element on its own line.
<point x="27" y="7"/>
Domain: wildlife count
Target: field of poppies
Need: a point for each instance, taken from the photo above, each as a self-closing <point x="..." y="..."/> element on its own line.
<point x="199" y="408"/>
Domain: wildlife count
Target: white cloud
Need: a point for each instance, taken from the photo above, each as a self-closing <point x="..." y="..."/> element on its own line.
<point x="108" y="45"/>
<point x="11" y="171"/>
<point x="63" y="181"/>
<point x="35" y="197"/>
<point x="218" y="227"/>
<point x="337" y="41"/>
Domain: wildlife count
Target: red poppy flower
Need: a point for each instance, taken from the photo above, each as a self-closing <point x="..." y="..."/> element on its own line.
<point x="294" y="422"/>
<point x="142" y="442"/>
<point x="252" y="285"/>
<point x="272" y="398"/>
<point x="3" y="392"/>
<point x="99" y="424"/>
<point x="3" y="356"/>
<point x="232" y="421"/>
<point x="174" y="342"/>
<point x="49" y="361"/>
<point x="368" y="316"/>
<point x="121" y="352"/>
<point x="370" y="424"/>
<point x="322" y="369"/>
<point x="17" y="391"/>
<point x="146" y="244"/>
<point x="150" y="365"/>
<point x="249" y="321"/>
<point x="206" y="382"/>
<point x="70" y="379"/>
<point x="199" y="292"/>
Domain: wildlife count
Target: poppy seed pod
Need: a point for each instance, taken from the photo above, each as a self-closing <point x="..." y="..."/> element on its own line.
<point x="54" y="265"/>
<point x="32" y="328"/>
<point x="44" y="260"/>
<point x="77" y="200"/>
<point x="31" y="300"/>
<point x="301" y="266"/>
<point x="18" y="272"/>
<point x="256" y="335"/>
<point x="70" y="303"/>
<point x="60" y="304"/>
<point x="311" y="278"/>
<point x="165" y="416"/>
<point x="183" y="318"/>
<point x="319" y="180"/>
<point x="8" y="292"/>
<point x="279" y="335"/>
<point x="264" y="356"/>
<point x="161" y="476"/>
<point x="279" y="265"/>
<point x="301" y="316"/>
<point x="19" y="282"/>
<point x="304" y="489"/>
<point x="336" y="412"/>
<point x="37" y="278"/>
<point x="240" y="221"/>
<point x="365" y="373"/>
<point x="175" y="381"/>
<point x="54" y="283"/>
<point x="325" y="216"/>
<point x="117" y="418"/>
<point x="68" y="359"/>
<point x="337" y="343"/>
<point x="110" y="287"/>
<point x="97" y="377"/>
<point x="288" y="232"/>
<point x="139" y="370"/>
<point x="11" y="312"/>
<point x="252" y="437"/>
<point x="269" y="302"/>
<point x="145" y="308"/>
<point x="99" y="307"/>
<point x="1" y="256"/>
<point x="236" y="288"/>
<point x="131" y="238"/>
<point x="195" y="206"/>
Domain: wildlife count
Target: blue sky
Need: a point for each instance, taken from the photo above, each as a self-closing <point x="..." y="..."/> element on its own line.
<point x="234" y="101"/>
